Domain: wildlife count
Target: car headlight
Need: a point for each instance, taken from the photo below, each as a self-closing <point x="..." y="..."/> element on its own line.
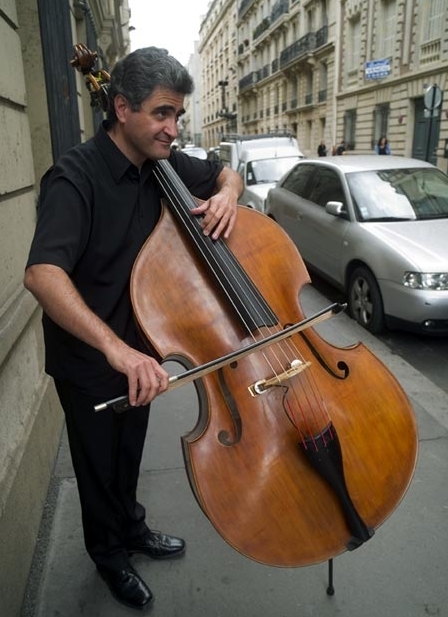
<point x="437" y="281"/>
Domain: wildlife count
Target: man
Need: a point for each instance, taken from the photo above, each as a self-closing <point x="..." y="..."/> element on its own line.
<point x="322" y="149"/>
<point x="341" y="148"/>
<point x="97" y="207"/>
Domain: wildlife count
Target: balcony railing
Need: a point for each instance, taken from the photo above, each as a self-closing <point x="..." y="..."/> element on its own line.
<point x="430" y="52"/>
<point x="322" y="36"/>
<point x="322" y="96"/>
<point x="254" y="77"/>
<point x="298" y="49"/>
<point x="262" y="27"/>
<point x="263" y="73"/>
<point x="279" y="8"/>
<point x="245" y="4"/>
<point x="248" y="80"/>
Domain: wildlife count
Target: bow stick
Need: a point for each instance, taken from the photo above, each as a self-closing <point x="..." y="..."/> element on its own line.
<point x="121" y="403"/>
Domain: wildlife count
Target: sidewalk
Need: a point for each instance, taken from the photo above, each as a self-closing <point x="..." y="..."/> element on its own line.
<point x="400" y="572"/>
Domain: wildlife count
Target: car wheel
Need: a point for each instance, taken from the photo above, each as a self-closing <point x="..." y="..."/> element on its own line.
<point x="364" y="300"/>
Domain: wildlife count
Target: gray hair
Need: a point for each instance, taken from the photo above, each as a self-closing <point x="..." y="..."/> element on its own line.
<point x="138" y="74"/>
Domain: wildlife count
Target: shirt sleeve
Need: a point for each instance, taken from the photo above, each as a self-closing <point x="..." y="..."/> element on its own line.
<point x="63" y="223"/>
<point x="199" y="176"/>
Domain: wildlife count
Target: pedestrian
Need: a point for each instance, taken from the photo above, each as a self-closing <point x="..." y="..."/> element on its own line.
<point x="341" y="148"/>
<point x="382" y="147"/>
<point x="322" y="149"/>
<point x="97" y="206"/>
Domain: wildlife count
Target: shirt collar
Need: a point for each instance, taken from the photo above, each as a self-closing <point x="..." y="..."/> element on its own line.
<point x="117" y="162"/>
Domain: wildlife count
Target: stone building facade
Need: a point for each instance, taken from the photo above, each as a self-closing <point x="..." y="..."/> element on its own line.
<point x="44" y="108"/>
<point x="218" y="47"/>
<point x="336" y="70"/>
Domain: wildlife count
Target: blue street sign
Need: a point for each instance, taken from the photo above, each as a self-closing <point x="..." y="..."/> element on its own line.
<point x="377" y="69"/>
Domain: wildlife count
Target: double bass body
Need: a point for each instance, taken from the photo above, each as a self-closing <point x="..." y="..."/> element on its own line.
<point x="245" y="457"/>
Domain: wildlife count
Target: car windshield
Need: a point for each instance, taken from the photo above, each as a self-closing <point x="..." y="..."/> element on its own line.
<point x="269" y="170"/>
<point x="399" y="194"/>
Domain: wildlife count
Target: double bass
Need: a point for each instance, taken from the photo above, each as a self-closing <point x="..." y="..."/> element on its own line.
<point x="301" y="449"/>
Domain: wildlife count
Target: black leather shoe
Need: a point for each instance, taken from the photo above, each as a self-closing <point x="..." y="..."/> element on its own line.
<point x="127" y="587"/>
<point x="158" y="546"/>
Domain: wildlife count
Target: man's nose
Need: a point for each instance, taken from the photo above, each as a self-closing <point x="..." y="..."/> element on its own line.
<point x="172" y="128"/>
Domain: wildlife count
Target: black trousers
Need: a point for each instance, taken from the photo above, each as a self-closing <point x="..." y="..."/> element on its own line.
<point x="106" y="450"/>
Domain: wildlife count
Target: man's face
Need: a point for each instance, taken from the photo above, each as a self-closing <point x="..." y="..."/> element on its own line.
<point x="149" y="133"/>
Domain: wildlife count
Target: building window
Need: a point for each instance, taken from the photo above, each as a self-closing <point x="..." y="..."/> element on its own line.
<point x="354" y="44"/>
<point x="432" y="23"/>
<point x="388" y="31"/>
<point x="350" y="128"/>
<point x="433" y="20"/>
<point x="380" y="122"/>
<point x="323" y="81"/>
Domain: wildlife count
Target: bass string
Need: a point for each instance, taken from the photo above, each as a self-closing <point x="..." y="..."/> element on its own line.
<point x="100" y="79"/>
<point x="276" y="356"/>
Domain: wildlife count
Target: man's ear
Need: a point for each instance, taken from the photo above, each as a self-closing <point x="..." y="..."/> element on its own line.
<point x="121" y="107"/>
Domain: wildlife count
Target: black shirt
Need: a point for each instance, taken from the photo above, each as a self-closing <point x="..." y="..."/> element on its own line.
<point x="96" y="211"/>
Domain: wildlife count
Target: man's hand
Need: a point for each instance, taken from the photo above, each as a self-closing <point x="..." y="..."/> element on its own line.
<point x="146" y="378"/>
<point x="62" y="302"/>
<point x="220" y="211"/>
<point x="219" y="215"/>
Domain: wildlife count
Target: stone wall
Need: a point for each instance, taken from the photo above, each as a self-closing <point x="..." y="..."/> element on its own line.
<point x="30" y="418"/>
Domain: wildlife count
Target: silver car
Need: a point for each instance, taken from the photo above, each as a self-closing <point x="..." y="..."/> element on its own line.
<point x="376" y="227"/>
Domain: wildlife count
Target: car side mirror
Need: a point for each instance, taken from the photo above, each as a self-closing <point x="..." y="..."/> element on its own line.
<point x="336" y="208"/>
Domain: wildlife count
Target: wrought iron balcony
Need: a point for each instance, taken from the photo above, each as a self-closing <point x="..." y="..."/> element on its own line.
<point x="248" y="80"/>
<point x="322" y="96"/>
<point x="254" y="77"/>
<point x="322" y="36"/>
<point x="279" y="8"/>
<point x="245" y="4"/>
<point x="263" y="73"/>
<point x="262" y="27"/>
<point x="298" y="49"/>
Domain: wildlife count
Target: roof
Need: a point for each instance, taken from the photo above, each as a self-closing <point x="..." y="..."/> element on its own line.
<point x="361" y="162"/>
<point x="274" y="152"/>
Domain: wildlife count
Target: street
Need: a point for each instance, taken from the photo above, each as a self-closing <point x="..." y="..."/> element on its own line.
<point x="400" y="572"/>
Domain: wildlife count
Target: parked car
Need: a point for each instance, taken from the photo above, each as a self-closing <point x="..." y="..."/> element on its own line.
<point x="260" y="160"/>
<point x="213" y="153"/>
<point x="260" y="170"/>
<point x="376" y="227"/>
<point x="196" y="151"/>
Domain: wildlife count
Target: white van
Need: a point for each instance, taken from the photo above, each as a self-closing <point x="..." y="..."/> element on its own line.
<point x="233" y="145"/>
<point x="261" y="160"/>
